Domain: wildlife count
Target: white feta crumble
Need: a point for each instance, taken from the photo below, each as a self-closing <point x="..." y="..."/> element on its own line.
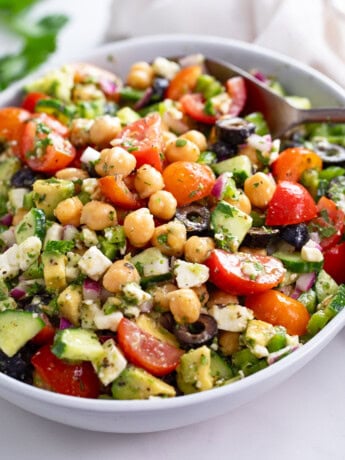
<point x="90" y="155"/>
<point x="310" y="252"/>
<point x="165" y="68"/>
<point x="54" y="233"/>
<point x="112" y="363"/>
<point x="111" y="321"/>
<point x="94" y="263"/>
<point x="133" y="293"/>
<point x="233" y="318"/>
<point x="89" y="237"/>
<point x="190" y="274"/>
<point x="28" y="252"/>
<point x="91" y="187"/>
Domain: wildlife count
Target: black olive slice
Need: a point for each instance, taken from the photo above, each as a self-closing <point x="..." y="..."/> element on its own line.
<point x="159" y="86"/>
<point x="25" y="177"/>
<point x="329" y="153"/>
<point x="296" y="235"/>
<point x="195" y="217"/>
<point x="260" y="237"/>
<point x="233" y="130"/>
<point x="223" y="150"/>
<point x="196" y="334"/>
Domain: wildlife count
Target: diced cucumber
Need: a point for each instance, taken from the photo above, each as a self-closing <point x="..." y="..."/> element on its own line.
<point x="337" y="302"/>
<point x="17" y="328"/>
<point x="127" y="115"/>
<point x="220" y="368"/>
<point x="8" y="167"/>
<point x="240" y="166"/>
<point x="151" y="262"/>
<point x="58" y="109"/>
<point x="230" y="225"/>
<point x="294" y="262"/>
<point x="308" y="299"/>
<point x="325" y="286"/>
<point x="33" y="224"/>
<point x="77" y="345"/>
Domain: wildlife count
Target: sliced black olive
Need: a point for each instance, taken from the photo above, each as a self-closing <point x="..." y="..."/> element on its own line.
<point x="195" y="217"/>
<point x="18" y="366"/>
<point x="329" y="153"/>
<point x="223" y="150"/>
<point x="234" y="131"/>
<point x="260" y="237"/>
<point x="196" y="334"/>
<point x="296" y="235"/>
<point x="25" y="177"/>
<point x="159" y="86"/>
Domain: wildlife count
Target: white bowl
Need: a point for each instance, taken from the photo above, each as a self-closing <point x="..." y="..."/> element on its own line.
<point x="162" y="414"/>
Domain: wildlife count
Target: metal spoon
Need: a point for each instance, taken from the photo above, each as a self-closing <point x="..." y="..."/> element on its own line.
<point x="279" y="114"/>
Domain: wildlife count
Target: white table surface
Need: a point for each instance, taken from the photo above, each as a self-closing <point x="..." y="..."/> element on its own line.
<point x="304" y="418"/>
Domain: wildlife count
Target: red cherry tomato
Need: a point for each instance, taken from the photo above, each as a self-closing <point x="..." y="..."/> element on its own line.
<point x="236" y="89"/>
<point x="31" y="99"/>
<point x="188" y="181"/>
<point x="280" y="310"/>
<point x="114" y="188"/>
<point x="144" y="350"/>
<point x="184" y="82"/>
<point x="51" y="122"/>
<point x="43" y="149"/>
<point x="334" y="258"/>
<point x="291" y="204"/>
<point x="65" y="378"/>
<point x="12" y="125"/>
<point x="329" y="224"/>
<point x="45" y="335"/>
<point x="194" y="106"/>
<point x="144" y="140"/>
<point x="242" y="274"/>
<point x="292" y="162"/>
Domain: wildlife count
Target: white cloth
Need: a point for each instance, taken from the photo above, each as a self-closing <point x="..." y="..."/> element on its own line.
<point x="312" y="31"/>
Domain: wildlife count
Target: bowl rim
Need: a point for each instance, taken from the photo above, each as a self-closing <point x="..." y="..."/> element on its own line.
<point x="160" y="404"/>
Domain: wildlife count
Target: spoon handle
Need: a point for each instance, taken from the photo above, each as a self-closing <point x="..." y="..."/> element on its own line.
<point x="328" y="115"/>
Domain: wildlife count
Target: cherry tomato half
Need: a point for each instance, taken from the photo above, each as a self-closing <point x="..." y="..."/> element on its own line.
<point x="292" y="162"/>
<point x="280" y="310"/>
<point x="194" y="106"/>
<point x="184" y="82"/>
<point x="242" y="274"/>
<point x="334" y="262"/>
<point x="114" y="188"/>
<point x="291" y="204"/>
<point x="65" y="378"/>
<point x="236" y="89"/>
<point x="31" y="99"/>
<point x="12" y="125"/>
<point x="144" y="350"/>
<point x="188" y="181"/>
<point x="143" y="139"/>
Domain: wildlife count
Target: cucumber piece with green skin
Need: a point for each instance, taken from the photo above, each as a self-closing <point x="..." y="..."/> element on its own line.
<point x="325" y="286"/>
<point x="220" y="368"/>
<point x="33" y="224"/>
<point x="55" y="107"/>
<point x="294" y="262"/>
<point x="309" y="300"/>
<point x="240" y="166"/>
<point x="77" y="345"/>
<point x="17" y="328"/>
<point x="151" y="262"/>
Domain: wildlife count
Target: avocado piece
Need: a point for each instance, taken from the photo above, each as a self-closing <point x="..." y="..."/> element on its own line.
<point x="240" y="167"/>
<point x="48" y="194"/>
<point x="149" y="325"/>
<point x="69" y="303"/>
<point x="57" y="83"/>
<point x="136" y="383"/>
<point x="54" y="271"/>
<point x="194" y="370"/>
<point x="325" y="286"/>
<point x="8" y="167"/>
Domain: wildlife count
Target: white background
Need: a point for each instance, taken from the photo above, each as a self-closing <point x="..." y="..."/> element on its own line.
<point x="304" y="418"/>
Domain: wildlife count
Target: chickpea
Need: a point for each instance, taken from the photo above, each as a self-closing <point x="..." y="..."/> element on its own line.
<point x="104" y="129"/>
<point x="118" y="274"/>
<point x="197" y="138"/>
<point x="202" y="293"/>
<point x="168" y="136"/>
<point x="219" y="297"/>
<point x="198" y="249"/>
<point x="71" y="174"/>
<point x="162" y="204"/>
<point x="68" y="212"/>
<point x="139" y="227"/>
<point x="182" y="150"/>
<point x="170" y="238"/>
<point x="140" y="75"/>
<point x="148" y="181"/>
<point x="79" y="133"/>
<point x="19" y="215"/>
<point x="98" y="215"/>
<point x="229" y="342"/>
<point x="242" y="202"/>
<point x="115" y="161"/>
<point x="159" y="295"/>
<point x="259" y="188"/>
<point x="184" y="305"/>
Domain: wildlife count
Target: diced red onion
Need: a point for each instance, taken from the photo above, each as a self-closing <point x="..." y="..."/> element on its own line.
<point x="91" y="289"/>
<point x="145" y="100"/>
<point x="295" y="293"/>
<point x="305" y="281"/>
<point x="314" y="236"/>
<point x="261" y="143"/>
<point x="146" y="306"/>
<point x="64" y="323"/>
<point x="174" y="124"/>
<point x="8" y="237"/>
<point x="17" y="293"/>
<point x="6" y="220"/>
<point x="220" y="185"/>
<point x="107" y="86"/>
<point x="260" y="76"/>
<point x="191" y="59"/>
<point x="277" y="355"/>
<point x="105" y="294"/>
<point x="69" y="232"/>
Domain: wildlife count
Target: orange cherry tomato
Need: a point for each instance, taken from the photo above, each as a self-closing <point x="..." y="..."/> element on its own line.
<point x="292" y="162"/>
<point x="280" y="310"/>
<point x="12" y="125"/>
<point x="230" y="271"/>
<point x="184" y="82"/>
<point x="114" y="188"/>
<point x="188" y="181"/>
<point x="144" y="350"/>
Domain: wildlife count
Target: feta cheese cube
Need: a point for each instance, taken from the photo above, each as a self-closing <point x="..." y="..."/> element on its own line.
<point x="89" y="237"/>
<point x="233" y="318"/>
<point x="94" y="263"/>
<point x="134" y="294"/>
<point x="111" y="321"/>
<point x="311" y="252"/>
<point x="110" y="366"/>
<point x="28" y="252"/>
<point x="189" y="274"/>
<point x="165" y="68"/>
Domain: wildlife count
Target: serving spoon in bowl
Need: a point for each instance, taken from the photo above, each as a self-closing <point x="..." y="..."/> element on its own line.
<point x="279" y="114"/>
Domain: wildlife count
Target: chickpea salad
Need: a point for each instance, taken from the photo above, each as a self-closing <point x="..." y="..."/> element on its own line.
<point x="155" y="241"/>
